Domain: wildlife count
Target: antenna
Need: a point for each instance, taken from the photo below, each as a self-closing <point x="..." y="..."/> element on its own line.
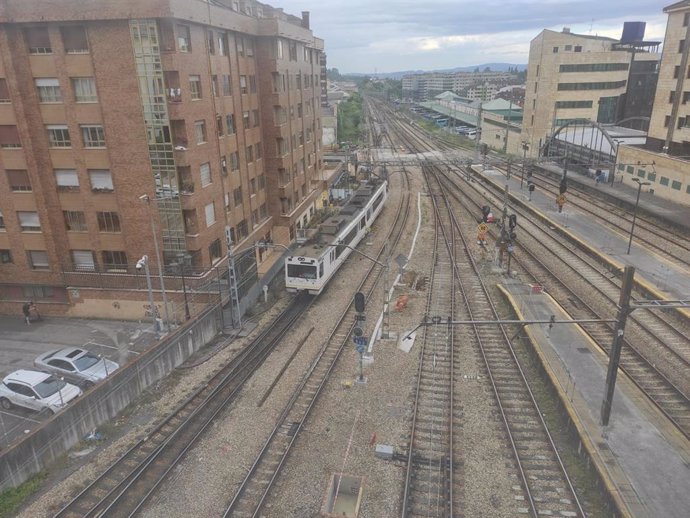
<point x="590" y="26"/>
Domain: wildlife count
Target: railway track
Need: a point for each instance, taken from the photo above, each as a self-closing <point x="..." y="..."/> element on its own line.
<point x="128" y="483"/>
<point x="429" y="482"/>
<point x="254" y="491"/>
<point x="656" y="348"/>
<point x="546" y="486"/>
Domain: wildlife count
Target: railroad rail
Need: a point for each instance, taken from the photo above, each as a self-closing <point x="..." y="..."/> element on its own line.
<point x="127" y="484"/>
<point x="254" y="491"/>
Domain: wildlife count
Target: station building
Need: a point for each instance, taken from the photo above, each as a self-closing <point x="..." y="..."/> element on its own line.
<point x="208" y="110"/>
<point x="577" y="77"/>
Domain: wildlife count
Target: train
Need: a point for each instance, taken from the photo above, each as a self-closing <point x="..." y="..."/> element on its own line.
<point x="318" y="259"/>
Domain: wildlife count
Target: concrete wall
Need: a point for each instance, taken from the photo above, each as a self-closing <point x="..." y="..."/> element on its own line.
<point x="48" y="442"/>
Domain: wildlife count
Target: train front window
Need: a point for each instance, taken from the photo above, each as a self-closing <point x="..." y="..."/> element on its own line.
<point x="302" y="271"/>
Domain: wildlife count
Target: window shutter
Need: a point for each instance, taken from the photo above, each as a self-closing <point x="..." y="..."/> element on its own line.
<point x="4" y="91"/>
<point x="66" y="178"/>
<point x="74" y="39"/>
<point x="83" y="260"/>
<point x="9" y="136"/>
<point x="37" y="37"/>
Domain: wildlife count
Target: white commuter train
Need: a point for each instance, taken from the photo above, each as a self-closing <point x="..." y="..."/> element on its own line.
<point x="317" y="260"/>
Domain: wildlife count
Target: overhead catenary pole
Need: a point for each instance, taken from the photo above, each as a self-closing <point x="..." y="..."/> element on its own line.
<point x="615" y="354"/>
<point x="159" y="260"/>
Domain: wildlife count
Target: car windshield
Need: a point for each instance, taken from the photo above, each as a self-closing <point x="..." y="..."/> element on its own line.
<point x="84" y="362"/>
<point x="49" y="386"/>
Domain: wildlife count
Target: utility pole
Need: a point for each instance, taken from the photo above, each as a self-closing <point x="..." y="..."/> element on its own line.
<point x="615" y="354"/>
<point x="232" y="283"/>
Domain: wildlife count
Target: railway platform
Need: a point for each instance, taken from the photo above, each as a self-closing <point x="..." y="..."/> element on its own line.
<point x="625" y="191"/>
<point x="642" y="458"/>
<point x="656" y="273"/>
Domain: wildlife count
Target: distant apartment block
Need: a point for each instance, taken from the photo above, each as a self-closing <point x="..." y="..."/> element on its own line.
<point x="211" y="109"/>
<point x="576" y="77"/>
<point x="424" y="87"/>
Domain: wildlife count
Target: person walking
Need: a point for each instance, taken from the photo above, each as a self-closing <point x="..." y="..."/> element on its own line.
<point x="26" y="309"/>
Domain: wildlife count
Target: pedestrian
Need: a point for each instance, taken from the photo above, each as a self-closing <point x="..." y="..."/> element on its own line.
<point x="26" y="309"/>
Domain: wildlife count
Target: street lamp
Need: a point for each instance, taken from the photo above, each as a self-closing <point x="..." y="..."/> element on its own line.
<point x="182" y="265"/>
<point x="637" y="201"/>
<point x="147" y="199"/>
<point x="525" y="147"/>
<point x="144" y="263"/>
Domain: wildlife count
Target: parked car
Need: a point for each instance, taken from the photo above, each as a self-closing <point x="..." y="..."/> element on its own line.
<point x="36" y="391"/>
<point x="76" y="365"/>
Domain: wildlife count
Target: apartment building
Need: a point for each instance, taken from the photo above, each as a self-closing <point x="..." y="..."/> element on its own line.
<point x="573" y="77"/>
<point x="210" y="110"/>
<point x="424" y="87"/>
<point x="664" y="161"/>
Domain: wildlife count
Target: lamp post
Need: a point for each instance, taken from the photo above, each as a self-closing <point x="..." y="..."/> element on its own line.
<point x="525" y="147"/>
<point x="637" y="201"/>
<point x="144" y="263"/>
<point x="182" y="265"/>
<point x="147" y="199"/>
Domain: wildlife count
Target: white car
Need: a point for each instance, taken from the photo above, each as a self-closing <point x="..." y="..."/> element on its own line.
<point x="76" y="365"/>
<point x="36" y="391"/>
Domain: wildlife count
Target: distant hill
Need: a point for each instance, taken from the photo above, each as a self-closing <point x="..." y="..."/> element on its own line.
<point x="495" y="67"/>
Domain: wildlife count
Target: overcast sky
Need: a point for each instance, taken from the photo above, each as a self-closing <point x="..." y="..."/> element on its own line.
<point x="393" y="35"/>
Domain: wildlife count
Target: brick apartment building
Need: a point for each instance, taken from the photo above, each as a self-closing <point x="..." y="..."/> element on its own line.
<point x="211" y="109"/>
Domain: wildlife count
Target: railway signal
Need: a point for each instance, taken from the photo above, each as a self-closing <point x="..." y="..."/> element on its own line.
<point x="560" y="201"/>
<point x="530" y="188"/>
<point x="512" y="223"/>
<point x="482" y="229"/>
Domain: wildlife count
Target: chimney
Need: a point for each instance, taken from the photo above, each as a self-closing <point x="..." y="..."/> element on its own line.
<point x="566" y="30"/>
<point x="305" y="19"/>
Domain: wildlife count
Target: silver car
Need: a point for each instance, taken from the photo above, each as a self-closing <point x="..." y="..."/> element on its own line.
<point x="76" y="365"/>
<point x="36" y="391"/>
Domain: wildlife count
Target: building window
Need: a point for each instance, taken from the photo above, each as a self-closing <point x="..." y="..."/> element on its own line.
<point x="214" y="250"/>
<point x="114" y="260"/>
<point x="210" y="211"/>
<point x="75" y="221"/>
<point x="210" y="41"/>
<point x="243" y="85"/>
<point x="686" y="97"/>
<point x="29" y="221"/>
<point x="675" y="185"/>
<point x="101" y="180"/>
<point x="578" y="48"/>
<point x="214" y="85"/>
<point x="195" y="86"/>
<point x="222" y="45"/>
<point x="292" y="46"/>
<point x="227" y="88"/>
<point x="555" y="50"/>
<point x="200" y="131"/>
<point x="234" y="161"/>
<point x="38" y="259"/>
<point x="256" y="119"/>
<point x="686" y="18"/>
<point x="243" y="229"/>
<point x="681" y="46"/>
<point x="258" y="151"/>
<point x="252" y="187"/>
<point x="249" y="47"/>
<point x="676" y="72"/>
<point x="37" y="40"/>
<point x="237" y="196"/>
<point x="2" y="222"/>
<point x="219" y="125"/>
<point x="594" y="67"/>
<point x="4" y="91"/>
<point x="671" y="96"/>
<point x="249" y="154"/>
<point x="205" y="173"/>
<point x="184" y="42"/>
<point x="667" y="121"/>
<point x="9" y="137"/>
<point x="66" y="180"/>
<point x="93" y="136"/>
<point x="108" y="222"/>
<point x="58" y="135"/>
<point x="663" y="181"/>
<point x="48" y="90"/>
<point x="230" y="123"/>
<point x="74" y="39"/>
<point x="84" y="89"/>
<point x="651" y="177"/>
<point x="252" y="84"/>
<point x="601" y="85"/>
<point x="83" y="260"/>
<point x="278" y="49"/>
<point x="19" y="180"/>
<point x="245" y="120"/>
<point x="5" y="257"/>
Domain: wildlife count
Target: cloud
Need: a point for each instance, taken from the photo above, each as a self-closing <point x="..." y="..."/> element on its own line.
<point x="361" y="35"/>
